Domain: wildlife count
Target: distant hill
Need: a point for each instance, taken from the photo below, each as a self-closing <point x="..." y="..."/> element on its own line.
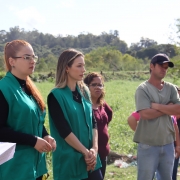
<point x="106" y="50"/>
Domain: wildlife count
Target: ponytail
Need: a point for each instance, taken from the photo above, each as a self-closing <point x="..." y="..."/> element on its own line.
<point x="36" y="94"/>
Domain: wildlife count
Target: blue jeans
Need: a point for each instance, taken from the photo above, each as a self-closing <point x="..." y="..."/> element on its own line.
<point x="155" y="158"/>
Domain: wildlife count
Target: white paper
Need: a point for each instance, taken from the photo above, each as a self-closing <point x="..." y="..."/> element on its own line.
<point x="6" y="151"/>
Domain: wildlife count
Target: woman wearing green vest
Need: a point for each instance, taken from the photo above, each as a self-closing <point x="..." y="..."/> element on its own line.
<point x="22" y="116"/>
<point x="72" y="123"/>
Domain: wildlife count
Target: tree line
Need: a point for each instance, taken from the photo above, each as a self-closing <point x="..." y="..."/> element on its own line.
<point x="105" y="51"/>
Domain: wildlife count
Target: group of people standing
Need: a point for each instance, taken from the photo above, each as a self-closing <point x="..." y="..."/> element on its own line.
<point x="78" y="118"/>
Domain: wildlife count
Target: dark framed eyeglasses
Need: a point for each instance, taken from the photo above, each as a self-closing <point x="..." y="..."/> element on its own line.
<point x="29" y="58"/>
<point x="101" y="86"/>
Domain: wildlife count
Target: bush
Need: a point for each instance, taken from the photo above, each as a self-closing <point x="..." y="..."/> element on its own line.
<point x="2" y="74"/>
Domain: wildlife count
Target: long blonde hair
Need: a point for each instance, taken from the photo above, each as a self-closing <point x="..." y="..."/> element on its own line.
<point x="66" y="59"/>
<point x="10" y="50"/>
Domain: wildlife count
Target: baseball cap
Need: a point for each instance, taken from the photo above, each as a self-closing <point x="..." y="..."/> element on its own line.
<point x="161" y="59"/>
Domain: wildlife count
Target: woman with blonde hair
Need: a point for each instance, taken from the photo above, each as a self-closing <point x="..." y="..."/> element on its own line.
<point x="72" y="123"/>
<point x="22" y="115"/>
<point x="102" y="113"/>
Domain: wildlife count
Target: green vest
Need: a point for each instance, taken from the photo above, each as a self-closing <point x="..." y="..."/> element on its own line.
<point x="24" y="116"/>
<point x="69" y="164"/>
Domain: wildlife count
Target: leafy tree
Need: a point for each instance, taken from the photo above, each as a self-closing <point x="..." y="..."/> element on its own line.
<point x="1" y="63"/>
<point x="178" y="27"/>
<point x="116" y="33"/>
<point x="149" y="53"/>
<point x="3" y="37"/>
<point x="146" y="42"/>
<point x="108" y="58"/>
<point x="14" y="33"/>
<point x="142" y="44"/>
<point x="51" y="62"/>
<point x="120" y="45"/>
<point x="41" y="65"/>
<point x="169" y="49"/>
<point x="105" y="51"/>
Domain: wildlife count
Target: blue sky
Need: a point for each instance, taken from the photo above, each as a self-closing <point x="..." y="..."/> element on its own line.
<point x="133" y="19"/>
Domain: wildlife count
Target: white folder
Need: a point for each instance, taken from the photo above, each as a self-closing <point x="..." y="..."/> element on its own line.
<point x="6" y="151"/>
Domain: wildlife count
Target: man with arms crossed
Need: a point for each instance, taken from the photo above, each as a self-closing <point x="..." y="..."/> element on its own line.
<point x="156" y="100"/>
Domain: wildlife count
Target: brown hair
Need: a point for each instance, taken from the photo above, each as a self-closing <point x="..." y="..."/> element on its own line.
<point x="66" y="59"/>
<point x="10" y="50"/>
<point x="89" y="78"/>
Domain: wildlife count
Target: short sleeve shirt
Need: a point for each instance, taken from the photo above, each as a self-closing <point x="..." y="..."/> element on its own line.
<point x="158" y="131"/>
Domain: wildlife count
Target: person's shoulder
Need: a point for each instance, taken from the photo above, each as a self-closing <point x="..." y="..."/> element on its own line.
<point x="5" y="83"/>
<point x="143" y="85"/>
<point x="57" y="90"/>
<point x="169" y="85"/>
<point x="105" y="104"/>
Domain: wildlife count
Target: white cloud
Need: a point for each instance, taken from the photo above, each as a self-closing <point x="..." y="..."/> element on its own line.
<point x="30" y="16"/>
<point x="12" y="8"/>
<point x="66" y="4"/>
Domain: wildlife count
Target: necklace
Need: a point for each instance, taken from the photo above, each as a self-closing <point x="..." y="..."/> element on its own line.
<point x="76" y="96"/>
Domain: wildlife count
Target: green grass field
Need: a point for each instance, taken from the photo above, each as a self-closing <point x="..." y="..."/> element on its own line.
<point x="120" y="96"/>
